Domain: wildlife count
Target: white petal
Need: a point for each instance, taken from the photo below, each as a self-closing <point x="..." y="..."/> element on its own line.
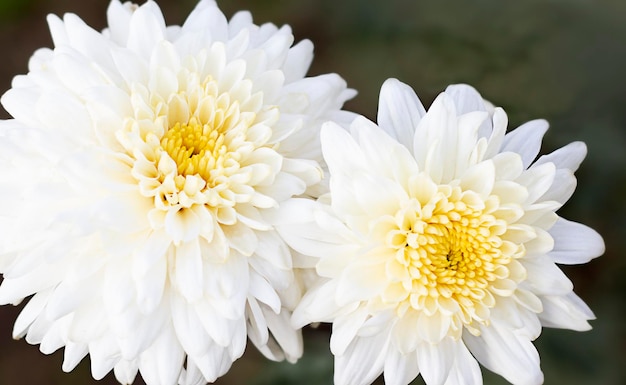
<point x="118" y="287"/>
<point x="400" y="369"/>
<point x="264" y="292"/>
<point x="288" y="338"/>
<point x="14" y="290"/>
<point x="57" y="31"/>
<point x="345" y="328"/>
<point x="217" y="249"/>
<point x="545" y="277"/>
<point x="214" y="363"/>
<point x="239" y="21"/>
<point x="238" y="338"/>
<point x="360" y="282"/>
<point x="377" y="322"/>
<point x="74" y="353"/>
<point x="341" y="152"/>
<point x="317" y="305"/>
<point x="530" y="301"/>
<point x="526" y="140"/>
<point x="385" y="156"/>
<point x="163" y="361"/>
<point x="495" y="139"/>
<point x="43" y="327"/>
<point x="69" y="295"/>
<point x="504" y="352"/>
<point x="135" y="332"/>
<point x="191" y="376"/>
<point x="89" y="322"/>
<point x="435" y="141"/>
<point x="147" y="28"/>
<point x="150" y="287"/>
<point x="376" y="196"/>
<point x="405" y="338"/>
<point x="568" y="157"/>
<point x="163" y="81"/>
<point x="399" y="111"/>
<point x="182" y="225"/>
<point x="479" y="178"/>
<point x="466" y="98"/>
<point x="422" y="188"/>
<point x="241" y="238"/>
<point x="188" y="276"/>
<point x="165" y="56"/>
<point x="126" y="371"/>
<point x="542" y="244"/>
<point x="468" y="147"/>
<point x="220" y="329"/>
<point x="30" y="312"/>
<point x="465" y="369"/>
<point x="537" y="179"/>
<point x="90" y="43"/>
<point x="53" y="108"/>
<point x="103" y="354"/>
<point x="257" y="326"/>
<point x="433" y="328"/>
<point x="227" y="283"/>
<point x="562" y="187"/>
<point x="208" y="19"/>
<point x="232" y="74"/>
<point x="272" y="249"/>
<point x="362" y="362"/>
<point x="298" y="61"/>
<point x="302" y="231"/>
<point x="308" y="171"/>
<point x="435" y="360"/>
<point x="566" y="312"/>
<point x="188" y="328"/>
<point x="284" y="187"/>
<point x="575" y="243"/>
<point x="130" y="66"/>
<point x="20" y="103"/>
<point x="54" y="335"/>
<point x="276" y="46"/>
<point x="152" y="249"/>
<point x="118" y="19"/>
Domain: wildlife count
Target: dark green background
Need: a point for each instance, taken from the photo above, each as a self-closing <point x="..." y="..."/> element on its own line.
<point x="562" y="60"/>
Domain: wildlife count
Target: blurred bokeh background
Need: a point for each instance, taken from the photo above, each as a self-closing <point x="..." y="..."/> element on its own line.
<point x="563" y="60"/>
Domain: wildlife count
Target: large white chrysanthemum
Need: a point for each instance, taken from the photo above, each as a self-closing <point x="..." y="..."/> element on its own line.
<point x="438" y="241"/>
<point x="135" y="179"/>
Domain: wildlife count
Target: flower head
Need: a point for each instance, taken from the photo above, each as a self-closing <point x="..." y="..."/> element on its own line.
<point x="136" y="176"/>
<point x="438" y="242"/>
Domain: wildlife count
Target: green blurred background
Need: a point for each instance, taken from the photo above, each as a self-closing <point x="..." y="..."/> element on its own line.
<point x="562" y="60"/>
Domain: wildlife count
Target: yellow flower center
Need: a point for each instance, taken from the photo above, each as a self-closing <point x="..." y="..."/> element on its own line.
<point x="450" y="256"/>
<point x="197" y="149"/>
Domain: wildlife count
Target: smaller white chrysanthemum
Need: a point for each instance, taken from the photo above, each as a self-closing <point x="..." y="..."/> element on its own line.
<point x="437" y="243"/>
<point x="136" y="175"/>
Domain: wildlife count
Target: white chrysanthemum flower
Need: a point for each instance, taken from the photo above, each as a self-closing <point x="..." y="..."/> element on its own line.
<point x="136" y="175"/>
<point x="438" y="241"/>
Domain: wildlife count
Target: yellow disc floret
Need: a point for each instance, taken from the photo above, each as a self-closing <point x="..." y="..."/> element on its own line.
<point x="196" y="148"/>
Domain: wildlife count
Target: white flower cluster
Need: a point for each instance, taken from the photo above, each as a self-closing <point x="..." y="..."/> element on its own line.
<point x="170" y="192"/>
